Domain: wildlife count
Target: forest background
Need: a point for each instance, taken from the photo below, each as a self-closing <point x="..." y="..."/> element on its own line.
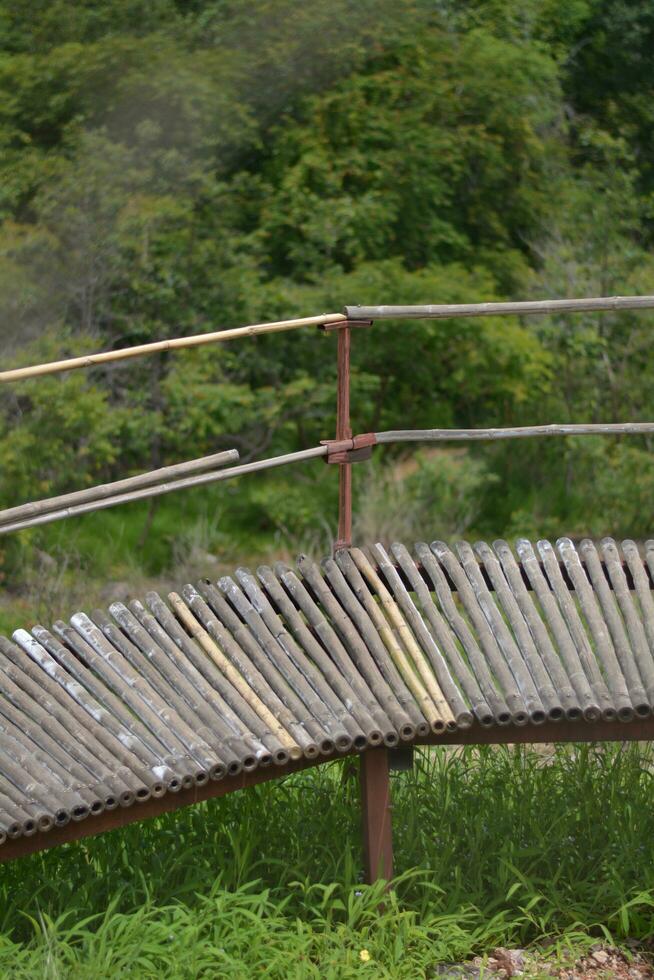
<point x="169" y="168"/>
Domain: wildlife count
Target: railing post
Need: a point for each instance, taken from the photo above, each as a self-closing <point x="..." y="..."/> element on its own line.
<point x="377" y="814"/>
<point x="344" y="431"/>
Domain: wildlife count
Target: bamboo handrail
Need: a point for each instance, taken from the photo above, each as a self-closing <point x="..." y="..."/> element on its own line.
<point x="104" y="490"/>
<point x="446" y="311"/>
<point x="158" y="346"/>
<point x="520" y="432"/>
<point x="200" y="480"/>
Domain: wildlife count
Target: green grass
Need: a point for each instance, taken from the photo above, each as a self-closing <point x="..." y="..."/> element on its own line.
<point x="493" y="846"/>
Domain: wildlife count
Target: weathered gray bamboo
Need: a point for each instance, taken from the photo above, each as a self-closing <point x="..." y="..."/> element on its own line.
<point x="174" y="687"/>
<point x="48" y="723"/>
<point x="289" y="685"/>
<point x="367" y="685"/>
<point x="102" y="491"/>
<point x="517" y="593"/>
<point x="244" y="657"/>
<point x="447" y="311"/>
<point x="604" y="597"/>
<point x="306" y="642"/>
<point x="349" y="640"/>
<point x="444" y="638"/>
<point x="460" y="711"/>
<point x="243" y="676"/>
<point x="642" y="586"/>
<point x="570" y="639"/>
<point x="186" y="483"/>
<point x="358" y="615"/>
<point x="137" y="738"/>
<point x="519" y="432"/>
<point x="242" y="711"/>
<point x="87" y="721"/>
<point x="159" y="346"/>
<point x="405" y="653"/>
<point x="519" y="713"/>
<point x="523" y="641"/>
<point x="604" y="647"/>
<point x="634" y="626"/>
<point x="116" y="706"/>
<point x="302" y="673"/>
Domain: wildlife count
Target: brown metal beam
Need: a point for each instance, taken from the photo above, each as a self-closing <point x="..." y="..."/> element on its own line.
<point x="376" y="807"/>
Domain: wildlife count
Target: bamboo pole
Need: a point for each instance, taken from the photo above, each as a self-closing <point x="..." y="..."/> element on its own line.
<point x="104" y="490"/>
<point x="519" y="432"/>
<point x="178" y="343"/>
<point x="203" y="479"/>
<point x="448" y="311"/>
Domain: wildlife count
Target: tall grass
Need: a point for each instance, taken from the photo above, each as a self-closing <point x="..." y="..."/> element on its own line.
<point x="492" y="846"/>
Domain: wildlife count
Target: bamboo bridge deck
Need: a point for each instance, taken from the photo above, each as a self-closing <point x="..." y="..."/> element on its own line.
<point x="120" y="715"/>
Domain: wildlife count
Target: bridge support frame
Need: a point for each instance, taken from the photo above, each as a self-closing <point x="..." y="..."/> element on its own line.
<point x="377" y="814"/>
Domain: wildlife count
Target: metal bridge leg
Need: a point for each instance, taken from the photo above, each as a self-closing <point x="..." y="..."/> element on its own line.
<point x="377" y="814"/>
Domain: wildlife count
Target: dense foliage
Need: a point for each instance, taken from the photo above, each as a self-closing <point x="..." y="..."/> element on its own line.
<point x="173" y="167"/>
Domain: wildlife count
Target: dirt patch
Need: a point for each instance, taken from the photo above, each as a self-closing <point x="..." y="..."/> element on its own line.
<point x="599" y="963"/>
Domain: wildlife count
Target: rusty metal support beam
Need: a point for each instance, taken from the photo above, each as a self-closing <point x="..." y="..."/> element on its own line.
<point x="376" y="809"/>
<point x="344" y="431"/>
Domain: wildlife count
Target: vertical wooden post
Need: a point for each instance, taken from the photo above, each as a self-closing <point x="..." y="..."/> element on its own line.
<point x="377" y="814"/>
<point x="344" y="431"/>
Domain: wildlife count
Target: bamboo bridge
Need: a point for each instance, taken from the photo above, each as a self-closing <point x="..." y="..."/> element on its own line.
<point x="123" y="714"/>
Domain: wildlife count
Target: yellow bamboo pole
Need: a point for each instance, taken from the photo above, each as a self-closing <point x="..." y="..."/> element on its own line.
<point x="212" y="649"/>
<point x="415" y="654"/>
<point x="158" y="346"/>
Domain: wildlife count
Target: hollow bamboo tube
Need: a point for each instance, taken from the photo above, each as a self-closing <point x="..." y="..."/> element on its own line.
<point x="514" y="657"/>
<point x="359" y="617"/>
<point x="84" y="780"/>
<point x="15" y="805"/>
<point x="186" y="483"/>
<point x="317" y="655"/>
<point x="84" y="728"/>
<point x="551" y="697"/>
<point x="445" y="561"/>
<point x="74" y="750"/>
<point x="345" y="641"/>
<point x="635" y="628"/>
<point x="288" y="684"/>
<point x="17" y="821"/>
<point x="101" y="492"/>
<point x="197" y="340"/>
<point x="212" y="650"/>
<point x="519" y="432"/>
<point x="301" y="672"/>
<point x="399" y="642"/>
<point x="200" y="696"/>
<point x="237" y="705"/>
<point x="145" y="662"/>
<point x="577" y="630"/>
<point x="244" y="652"/>
<point x="577" y="701"/>
<point x="326" y="636"/>
<point x="18" y="762"/>
<point x="439" y="665"/>
<point x="21" y="782"/>
<point x="44" y="751"/>
<point x="177" y="691"/>
<point x="643" y="590"/>
<point x="603" y="645"/>
<point x="130" y="730"/>
<point x="132" y="687"/>
<point x="488" y="707"/>
<point x="624" y="655"/>
<point x="562" y="619"/>
<point x="445" y="311"/>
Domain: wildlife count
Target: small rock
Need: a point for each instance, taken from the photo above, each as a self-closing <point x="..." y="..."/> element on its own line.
<point x="600" y="956"/>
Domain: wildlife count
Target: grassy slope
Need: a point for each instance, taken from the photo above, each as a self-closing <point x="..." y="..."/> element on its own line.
<point x="492" y="846"/>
